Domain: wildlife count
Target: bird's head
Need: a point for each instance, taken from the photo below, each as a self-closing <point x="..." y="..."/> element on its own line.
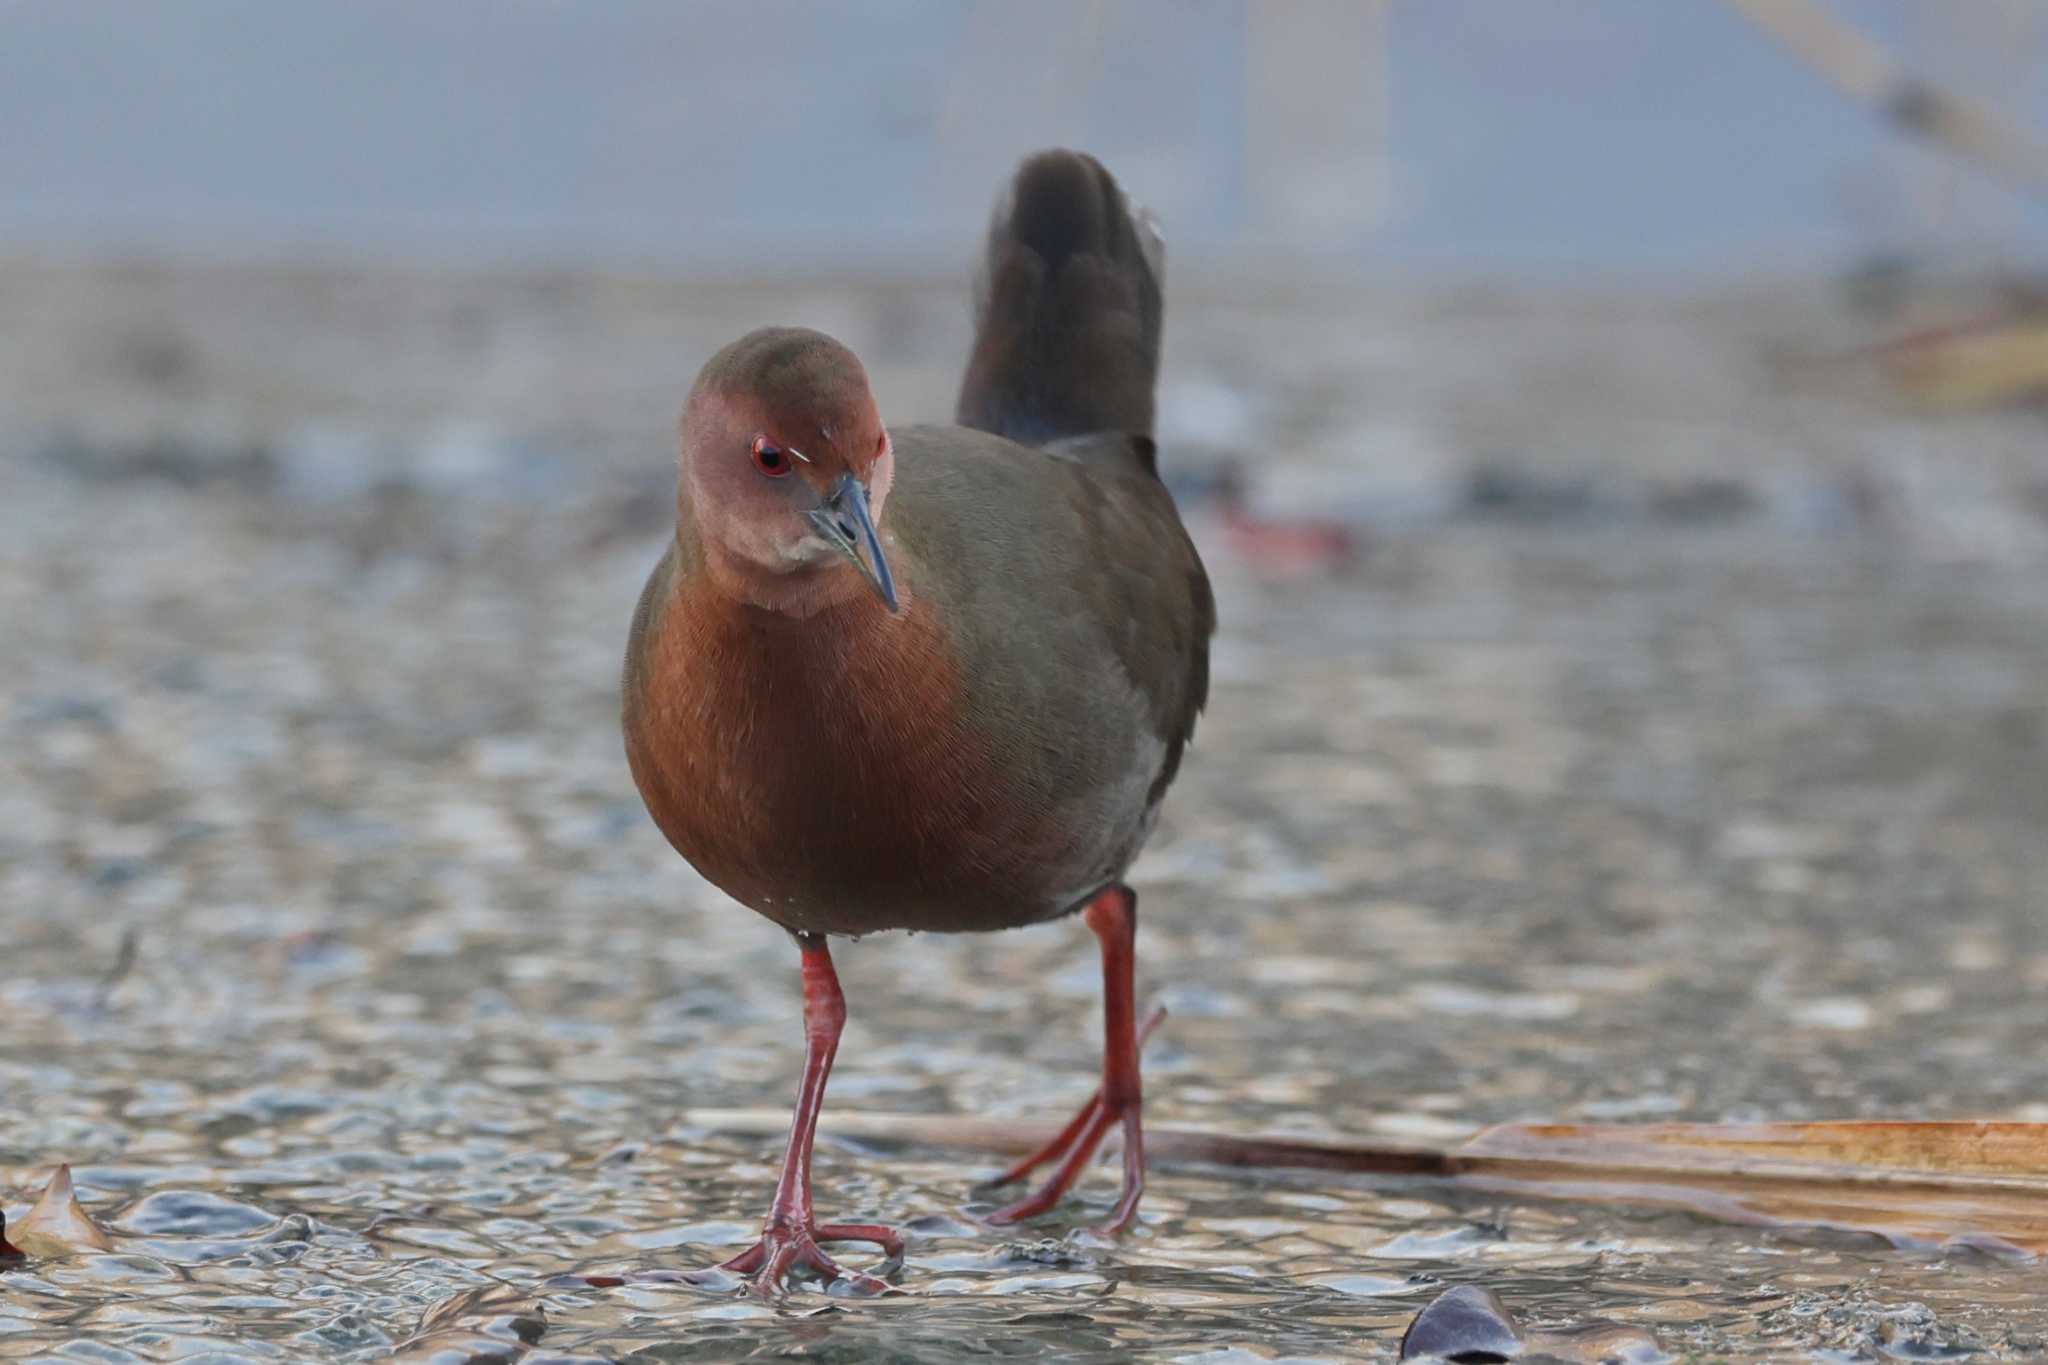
<point x="785" y="470"/>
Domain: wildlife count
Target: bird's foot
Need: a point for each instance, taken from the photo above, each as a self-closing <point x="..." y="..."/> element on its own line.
<point x="1072" y="1149"/>
<point x="785" y="1250"/>
<point x="1075" y="1144"/>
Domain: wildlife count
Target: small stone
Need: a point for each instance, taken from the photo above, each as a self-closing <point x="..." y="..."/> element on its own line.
<point x="1469" y="1325"/>
<point x="1841" y="1013"/>
<point x="1465" y="1324"/>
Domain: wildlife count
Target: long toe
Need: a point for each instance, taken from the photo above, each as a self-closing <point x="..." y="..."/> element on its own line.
<point x="839" y="1280"/>
<point x="1126" y="1210"/>
<point x="887" y="1238"/>
<point x="767" y="1267"/>
<point x="1099" y="1120"/>
<point x="1087" y="1115"/>
<point x="1054" y="1150"/>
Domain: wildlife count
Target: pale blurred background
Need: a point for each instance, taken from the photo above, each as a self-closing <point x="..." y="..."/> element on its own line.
<point x="1600" y="138"/>
<point x="1421" y="245"/>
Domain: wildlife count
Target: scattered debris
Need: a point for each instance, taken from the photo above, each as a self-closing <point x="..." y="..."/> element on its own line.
<point x="492" y="1324"/>
<point x="1282" y="543"/>
<point x="1506" y="493"/>
<point x="188" y="462"/>
<point x="124" y="963"/>
<point x="1987" y="363"/>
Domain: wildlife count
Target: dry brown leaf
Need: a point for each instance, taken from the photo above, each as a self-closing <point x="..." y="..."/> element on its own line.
<point x="1971" y="1182"/>
<point x="59" y="1225"/>
<point x="1876" y="1148"/>
<point x="1968" y="1183"/>
<point x="491" y="1323"/>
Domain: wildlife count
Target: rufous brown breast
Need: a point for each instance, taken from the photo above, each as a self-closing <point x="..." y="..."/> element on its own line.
<point x="824" y="771"/>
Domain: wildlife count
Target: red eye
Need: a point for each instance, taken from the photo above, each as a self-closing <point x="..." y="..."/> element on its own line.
<point x="770" y="458"/>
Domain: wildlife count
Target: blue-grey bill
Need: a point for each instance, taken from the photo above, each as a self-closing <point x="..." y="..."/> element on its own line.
<point x="844" y="520"/>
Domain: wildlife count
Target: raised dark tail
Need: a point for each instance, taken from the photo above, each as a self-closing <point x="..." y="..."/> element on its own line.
<point x="1067" y="308"/>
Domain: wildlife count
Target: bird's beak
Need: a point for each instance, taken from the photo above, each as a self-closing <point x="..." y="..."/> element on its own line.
<point x="842" y="518"/>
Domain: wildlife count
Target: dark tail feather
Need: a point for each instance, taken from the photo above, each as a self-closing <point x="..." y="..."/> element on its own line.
<point x="1068" y="308"/>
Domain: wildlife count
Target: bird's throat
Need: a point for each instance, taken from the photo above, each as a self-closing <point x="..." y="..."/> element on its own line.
<point x="793" y="587"/>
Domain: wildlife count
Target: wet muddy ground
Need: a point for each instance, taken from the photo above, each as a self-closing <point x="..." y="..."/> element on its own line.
<point x="1603" y="814"/>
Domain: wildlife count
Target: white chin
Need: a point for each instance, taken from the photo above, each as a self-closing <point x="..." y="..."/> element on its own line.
<point x="805" y="553"/>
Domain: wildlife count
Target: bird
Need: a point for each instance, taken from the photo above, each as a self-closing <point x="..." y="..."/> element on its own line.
<point x="933" y="677"/>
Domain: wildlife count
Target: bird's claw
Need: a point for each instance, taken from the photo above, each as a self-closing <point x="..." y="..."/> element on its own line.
<point x="765" y="1267"/>
<point x="1097" y="1120"/>
<point x="1069" y="1153"/>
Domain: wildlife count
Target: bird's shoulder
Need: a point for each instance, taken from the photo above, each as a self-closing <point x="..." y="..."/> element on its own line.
<point x="1081" y="537"/>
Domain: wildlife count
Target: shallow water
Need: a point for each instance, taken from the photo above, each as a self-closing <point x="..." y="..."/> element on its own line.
<point x="1500" y="824"/>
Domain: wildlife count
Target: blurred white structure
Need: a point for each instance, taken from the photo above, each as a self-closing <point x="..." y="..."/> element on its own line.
<point x="1496" y="136"/>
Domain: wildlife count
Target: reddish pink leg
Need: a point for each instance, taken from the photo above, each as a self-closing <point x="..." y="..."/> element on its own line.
<point x="1113" y="916"/>
<point x="1058" y="1146"/>
<point x="791" y="1232"/>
